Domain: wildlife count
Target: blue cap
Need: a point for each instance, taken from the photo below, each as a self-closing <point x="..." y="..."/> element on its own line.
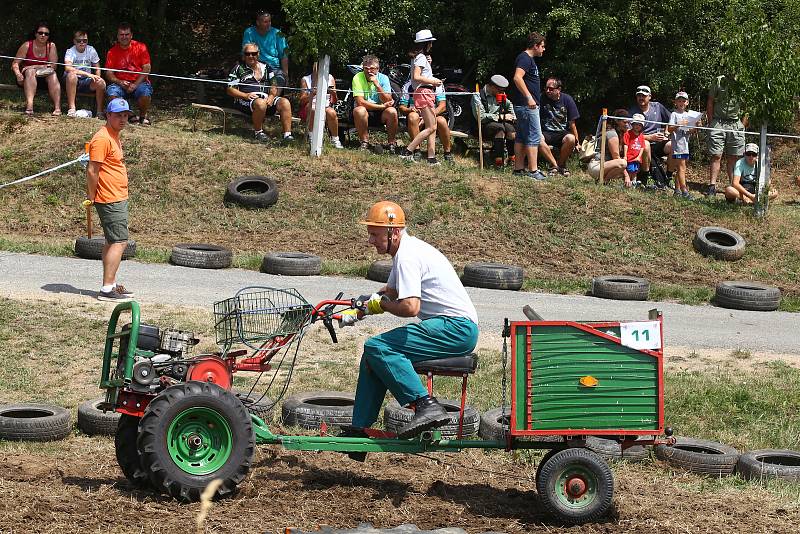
<point x="118" y="105"/>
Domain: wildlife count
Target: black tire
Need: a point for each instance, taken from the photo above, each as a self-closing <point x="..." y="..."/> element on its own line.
<point x="448" y="105"/>
<point x="719" y="243"/>
<point x="310" y="409"/>
<point x="201" y="256"/>
<point x="169" y="418"/>
<point x="34" y="422"/>
<point x="291" y="264"/>
<point x="699" y="456"/>
<point x="745" y="295"/>
<point x="128" y="456"/>
<point x="549" y="454"/>
<point x="572" y="464"/>
<point x="252" y="192"/>
<point x="463" y="119"/>
<point x="379" y="270"/>
<point x="92" y="249"/>
<point x="493" y="275"/>
<point x="95" y="422"/>
<point x="493" y="423"/>
<point x="611" y="450"/>
<point x="620" y="287"/>
<point x="770" y="463"/>
<point x="255" y="402"/>
<point x="395" y="416"/>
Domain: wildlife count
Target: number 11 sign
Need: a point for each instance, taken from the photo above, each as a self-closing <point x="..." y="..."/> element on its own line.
<point x="641" y="335"/>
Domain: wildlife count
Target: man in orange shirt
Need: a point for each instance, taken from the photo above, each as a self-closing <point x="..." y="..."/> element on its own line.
<point x="129" y="55"/>
<point x="107" y="189"/>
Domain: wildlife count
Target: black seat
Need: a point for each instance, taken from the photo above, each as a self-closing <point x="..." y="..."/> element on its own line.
<point x="461" y="364"/>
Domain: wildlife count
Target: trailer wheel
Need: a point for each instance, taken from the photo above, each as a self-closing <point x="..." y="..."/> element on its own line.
<point x="576" y="486"/>
<point x="193" y="433"/>
<point x="128" y="456"/>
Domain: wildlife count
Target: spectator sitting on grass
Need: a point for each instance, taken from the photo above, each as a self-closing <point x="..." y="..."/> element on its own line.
<point x="34" y="68"/>
<point x="745" y="178"/>
<point x="79" y="62"/>
<point x="308" y="98"/>
<point x="497" y="116"/>
<point x="614" y="164"/>
<point x="255" y="93"/>
<point x="129" y="55"/>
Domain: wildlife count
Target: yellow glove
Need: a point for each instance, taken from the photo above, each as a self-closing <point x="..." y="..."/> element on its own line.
<point x="349" y="318"/>
<point x="374" y="304"/>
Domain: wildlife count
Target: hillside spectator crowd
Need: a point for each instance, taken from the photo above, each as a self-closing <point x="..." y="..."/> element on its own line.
<point x="646" y="145"/>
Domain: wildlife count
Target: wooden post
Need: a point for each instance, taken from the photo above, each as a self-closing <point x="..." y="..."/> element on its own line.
<point x="320" y="103"/>
<point x="480" y="131"/>
<point x="601" y="177"/>
<point x="762" y="190"/>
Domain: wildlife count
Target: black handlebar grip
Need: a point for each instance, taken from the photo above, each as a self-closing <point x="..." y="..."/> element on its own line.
<point x="329" y="325"/>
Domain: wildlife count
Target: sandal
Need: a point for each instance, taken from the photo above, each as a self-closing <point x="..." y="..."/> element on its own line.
<point x="133" y="119"/>
<point x="56" y="113"/>
<point x="144" y="121"/>
<point x="29" y="112"/>
<point x="71" y="112"/>
<point x="553" y="171"/>
<point x="563" y="171"/>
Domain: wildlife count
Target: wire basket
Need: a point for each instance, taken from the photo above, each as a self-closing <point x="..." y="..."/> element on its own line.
<point x="258" y="314"/>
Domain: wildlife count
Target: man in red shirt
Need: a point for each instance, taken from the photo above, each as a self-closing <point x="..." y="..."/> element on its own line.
<point x="133" y="56"/>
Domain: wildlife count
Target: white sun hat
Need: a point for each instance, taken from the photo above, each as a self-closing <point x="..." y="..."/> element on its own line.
<point x="423" y="36"/>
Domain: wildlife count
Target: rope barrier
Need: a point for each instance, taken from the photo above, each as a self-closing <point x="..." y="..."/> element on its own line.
<point x="83" y="159"/>
<point x="210" y="80"/>
<point x="746" y="132"/>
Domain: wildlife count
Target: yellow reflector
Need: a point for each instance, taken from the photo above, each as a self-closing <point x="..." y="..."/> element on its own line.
<point x="588" y="381"/>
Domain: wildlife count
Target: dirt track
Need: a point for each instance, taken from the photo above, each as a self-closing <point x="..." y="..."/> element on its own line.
<point x="77" y="487"/>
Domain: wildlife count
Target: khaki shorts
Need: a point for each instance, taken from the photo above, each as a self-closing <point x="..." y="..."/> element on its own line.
<point x="731" y="142"/>
<point x="114" y="219"/>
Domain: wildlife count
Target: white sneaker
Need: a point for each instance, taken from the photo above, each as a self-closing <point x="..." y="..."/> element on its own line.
<point x="336" y="142"/>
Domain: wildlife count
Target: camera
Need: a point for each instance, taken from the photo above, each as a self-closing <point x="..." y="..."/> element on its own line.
<point x="501" y="98"/>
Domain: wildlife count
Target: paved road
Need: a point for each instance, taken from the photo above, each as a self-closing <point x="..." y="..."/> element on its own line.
<point x="688" y="326"/>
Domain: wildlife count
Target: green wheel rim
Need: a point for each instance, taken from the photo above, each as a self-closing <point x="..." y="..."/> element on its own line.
<point x="199" y="441"/>
<point x="576" y="487"/>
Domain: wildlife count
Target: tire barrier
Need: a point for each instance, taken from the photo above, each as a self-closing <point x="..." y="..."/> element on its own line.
<point x="770" y="463"/>
<point x="252" y="192"/>
<point x="95" y="422"/>
<point x="310" y="409"/>
<point x="744" y="295"/>
<point x="611" y="450"/>
<point x="493" y="276"/>
<point x="620" y="287"/>
<point x="379" y="271"/>
<point x="699" y="456"/>
<point x="34" y="422"/>
<point x="719" y="243"/>
<point x="201" y="256"/>
<point x="291" y="264"/>
<point x="395" y="416"/>
<point x="92" y="249"/>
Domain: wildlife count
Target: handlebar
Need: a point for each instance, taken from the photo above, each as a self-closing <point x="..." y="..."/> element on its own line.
<point x="325" y="312"/>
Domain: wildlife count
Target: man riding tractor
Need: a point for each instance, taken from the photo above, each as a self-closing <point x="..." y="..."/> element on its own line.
<point x="422" y="283"/>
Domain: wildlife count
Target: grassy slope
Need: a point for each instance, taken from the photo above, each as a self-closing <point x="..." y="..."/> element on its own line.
<point x="563" y="232"/>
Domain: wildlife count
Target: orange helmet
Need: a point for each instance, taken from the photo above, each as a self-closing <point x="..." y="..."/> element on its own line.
<point x="385" y="213"/>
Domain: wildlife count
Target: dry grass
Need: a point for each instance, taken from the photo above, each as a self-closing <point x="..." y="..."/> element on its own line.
<point x="563" y="232"/>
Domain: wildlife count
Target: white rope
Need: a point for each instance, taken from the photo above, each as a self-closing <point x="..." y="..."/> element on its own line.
<point x="786" y="136"/>
<point x="209" y="80"/>
<point x="82" y="159"/>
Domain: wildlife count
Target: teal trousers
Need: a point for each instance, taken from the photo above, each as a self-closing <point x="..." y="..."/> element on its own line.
<point x="387" y="361"/>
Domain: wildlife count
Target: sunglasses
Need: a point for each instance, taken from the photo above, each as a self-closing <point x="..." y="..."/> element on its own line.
<point x="753" y="154"/>
<point x="251" y="54"/>
<point x="81" y="40"/>
<point x="43" y="33"/>
<point x="551" y="88"/>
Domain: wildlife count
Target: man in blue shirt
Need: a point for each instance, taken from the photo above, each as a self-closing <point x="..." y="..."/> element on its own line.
<point x="271" y="45"/>
<point x="658" y="144"/>
<point x="526" y="99"/>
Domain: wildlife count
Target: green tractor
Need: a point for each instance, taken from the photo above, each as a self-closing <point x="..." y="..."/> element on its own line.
<point x="182" y="427"/>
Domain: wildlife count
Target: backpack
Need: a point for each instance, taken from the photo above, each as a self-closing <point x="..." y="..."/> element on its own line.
<point x="658" y="174"/>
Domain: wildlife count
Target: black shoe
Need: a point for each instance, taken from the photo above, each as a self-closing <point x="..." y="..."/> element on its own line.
<point x="430" y="414"/>
<point x="354" y="432"/>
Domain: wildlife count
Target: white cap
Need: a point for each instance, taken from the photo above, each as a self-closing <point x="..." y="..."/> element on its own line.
<point x="423" y="36"/>
<point x="681" y="94"/>
<point x="751" y="147"/>
<point x="499" y="80"/>
<point x="637" y="118"/>
<point x="643" y="90"/>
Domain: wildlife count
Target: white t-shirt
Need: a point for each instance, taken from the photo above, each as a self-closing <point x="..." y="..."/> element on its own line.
<point x="421" y="61"/>
<point x="83" y="61"/>
<point x="420" y="270"/>
<point x="310" y="86"/>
